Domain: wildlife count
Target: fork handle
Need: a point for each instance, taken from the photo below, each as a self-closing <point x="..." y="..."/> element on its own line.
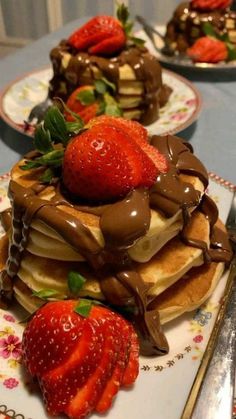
<point x="213" y="390"/>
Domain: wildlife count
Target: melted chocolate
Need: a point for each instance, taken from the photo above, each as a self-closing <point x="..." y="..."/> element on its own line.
<point x="122" y="223"/>
<point x="146" y="67"/>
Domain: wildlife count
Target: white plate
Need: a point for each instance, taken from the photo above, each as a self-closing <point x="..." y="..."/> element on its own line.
<point x="24" y="93"/>
<point x="183" y="62"/>
<point x="163" y="385"/>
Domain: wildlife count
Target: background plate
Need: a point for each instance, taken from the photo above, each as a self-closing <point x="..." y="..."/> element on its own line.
<point x="164" y="381"/>
<point x="22" y="94"/>
<point x="176" y="62"/>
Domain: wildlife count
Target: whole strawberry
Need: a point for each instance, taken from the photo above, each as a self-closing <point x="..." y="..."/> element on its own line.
<point x="102" y="35"/>
<point x="208" y="50"/>
<point x="106" y="162"/>
<point x="80" y="362"/>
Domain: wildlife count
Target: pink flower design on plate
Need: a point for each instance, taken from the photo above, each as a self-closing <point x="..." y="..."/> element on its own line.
<point x="190" y="102"/>
<point x="179" y="116"/>
<point x="198" y="338"/>
<point x="11" y="346"/>
<point x="9" y="318"/>
<point x="10" y="383"/>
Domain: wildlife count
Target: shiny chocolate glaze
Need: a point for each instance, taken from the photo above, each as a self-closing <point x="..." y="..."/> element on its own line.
<point x="146" y="67"/>
<point x="187" y="23"/>
<point x="122" y="223"/>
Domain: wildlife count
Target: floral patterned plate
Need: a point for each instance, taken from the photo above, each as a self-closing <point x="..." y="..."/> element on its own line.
<point x="164" y="382"/>
<point x="181" y="110"/>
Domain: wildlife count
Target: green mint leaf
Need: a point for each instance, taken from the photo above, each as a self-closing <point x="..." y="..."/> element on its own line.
<point x="75" y="282"/>
<point x="137" y="41"/>
<point x="45" y="293"/>
<point x="101" y="108"/>
<point x="231" y="52"/>
<point x="84" y="307"/>
<point x="122" y="13"/>
<point x="209" y="30"/>
<point x="42" y="139"/>
<point x="111" y="106"/>
<point x="86" y="97"/>
<point x="31" y="164"/>
<point x="47" y="176"/>
<point x="55" y="123"/>
<point x="102" y="85"/>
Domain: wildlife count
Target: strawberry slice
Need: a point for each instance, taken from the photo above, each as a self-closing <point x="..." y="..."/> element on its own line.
<point x="76" y="369"/>
<point x="115" y="381"/>
<point x="87" y="397"/>
<point x="101" y="35"/>
<point x="132" y="369"/>
<point x="208" y="50"/>
<point x="138" y="134"/>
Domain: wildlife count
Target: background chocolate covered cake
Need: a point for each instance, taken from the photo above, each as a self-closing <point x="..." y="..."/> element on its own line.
<point x="189" y="18"/>
<point x="104" y="49"/>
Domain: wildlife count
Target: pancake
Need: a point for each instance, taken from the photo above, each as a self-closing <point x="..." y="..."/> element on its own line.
<point x="188" y="293"/>
<point x="41" y="236"/>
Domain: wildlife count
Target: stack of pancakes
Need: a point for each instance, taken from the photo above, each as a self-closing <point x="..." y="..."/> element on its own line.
<point x="186" y="25"/>
<point x="136" y="74"/>
<point x="176" y="258"/>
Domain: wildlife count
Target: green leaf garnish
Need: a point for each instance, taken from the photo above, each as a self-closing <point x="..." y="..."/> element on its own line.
<point x="55" y="123"/>
<point x="45" y="293"/>
<point x="53" y="158"/>
<point x="122" y="13"/>
<point x="75" y="282"/>
<point x="47" y="176"/>
<point x="42" y="139"/>
<point x="209" y="30"/>
<point x="111" y="106"/>
<point x="30" y="164"/>
<point x="86" y="97"/>
<point x="103" y="85"/>
<point x="231" y="52"/>
<point x="137" y="41"/>
<point x="84" y="307"/>
<point x="73" y="127"/>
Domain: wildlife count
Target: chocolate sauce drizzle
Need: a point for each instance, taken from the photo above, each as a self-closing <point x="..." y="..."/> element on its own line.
<point x="122" y="223"/>
<point x="146" y="67"/>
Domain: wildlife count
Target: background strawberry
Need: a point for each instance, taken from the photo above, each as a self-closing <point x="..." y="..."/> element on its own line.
<point x="210" y="4"/>
<point x="92" y="355"/>
<point x="101" y="35"/>
<point x="76" y="105"/>
<point x="208" y="50"/>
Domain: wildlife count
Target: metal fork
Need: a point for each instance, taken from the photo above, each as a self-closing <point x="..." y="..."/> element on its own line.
<point x="38" y="111"/>
<point x="212" y="392"/>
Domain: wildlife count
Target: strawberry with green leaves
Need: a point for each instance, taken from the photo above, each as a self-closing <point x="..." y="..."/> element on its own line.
<point x="90" y="101"/>
<point x="81" y="367"/>
<point x="105" y="35"/>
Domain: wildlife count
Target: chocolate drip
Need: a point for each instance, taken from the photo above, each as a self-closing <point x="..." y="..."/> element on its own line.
<point x="126" y="221"/>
